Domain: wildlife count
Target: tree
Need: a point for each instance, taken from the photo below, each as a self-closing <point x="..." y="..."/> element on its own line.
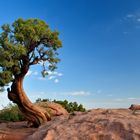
<point x="23" y="44"/>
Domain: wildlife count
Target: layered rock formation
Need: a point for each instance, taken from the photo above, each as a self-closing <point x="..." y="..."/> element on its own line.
<point x="97" y="124"/>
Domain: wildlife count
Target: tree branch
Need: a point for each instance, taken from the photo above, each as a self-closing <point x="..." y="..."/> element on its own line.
<point x="35" y="61"/>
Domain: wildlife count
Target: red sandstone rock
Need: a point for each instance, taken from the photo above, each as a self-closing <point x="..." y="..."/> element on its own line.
<point x="98" y="124"/>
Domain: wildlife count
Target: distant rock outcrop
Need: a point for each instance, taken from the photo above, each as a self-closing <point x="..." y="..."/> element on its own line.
<point x="134" y="107"/>
<point x="97" y="124"/>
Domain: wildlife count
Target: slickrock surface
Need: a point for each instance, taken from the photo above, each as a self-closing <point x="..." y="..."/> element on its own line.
<point x="97" y="124"/>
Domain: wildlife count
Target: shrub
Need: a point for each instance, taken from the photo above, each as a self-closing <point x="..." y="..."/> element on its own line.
<point x="11" y="113"/>
<point x="69" y="106"/>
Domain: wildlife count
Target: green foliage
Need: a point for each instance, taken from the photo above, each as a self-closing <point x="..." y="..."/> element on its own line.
<point x="25" y="43"/>
<point x="11" y="113"/>
<point x="69" y="106"/>
<point x="41" y="100"/>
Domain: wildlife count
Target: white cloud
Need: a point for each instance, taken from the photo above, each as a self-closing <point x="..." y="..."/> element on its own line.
<point x="55" y="73"/>
<point x="130" y="16"/>
<point x="132" y="98"/>
<point x="51" y="77"/>
<point x="56" y="81"/>
<point x="50" y="72"/>
<point x="129" y="99"/>
<point x="79" y="93"/>
<point x="35" y="73"/>
<point x="134" y="18"/>
<point x="60" y="74"/>
<point x="42" y="78"/>
<point x="30" y="72"/>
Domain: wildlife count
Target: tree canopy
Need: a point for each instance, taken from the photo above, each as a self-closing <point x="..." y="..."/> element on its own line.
<point x="25" y="43"/>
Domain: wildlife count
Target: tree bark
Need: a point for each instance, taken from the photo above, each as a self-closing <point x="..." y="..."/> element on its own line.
<point x="32" y="113"/>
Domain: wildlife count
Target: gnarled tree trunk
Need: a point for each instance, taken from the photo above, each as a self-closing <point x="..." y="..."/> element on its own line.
<point x="32" y="113"/>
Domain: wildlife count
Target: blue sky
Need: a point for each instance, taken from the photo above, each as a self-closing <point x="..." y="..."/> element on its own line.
<point x="100" y="58"/>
